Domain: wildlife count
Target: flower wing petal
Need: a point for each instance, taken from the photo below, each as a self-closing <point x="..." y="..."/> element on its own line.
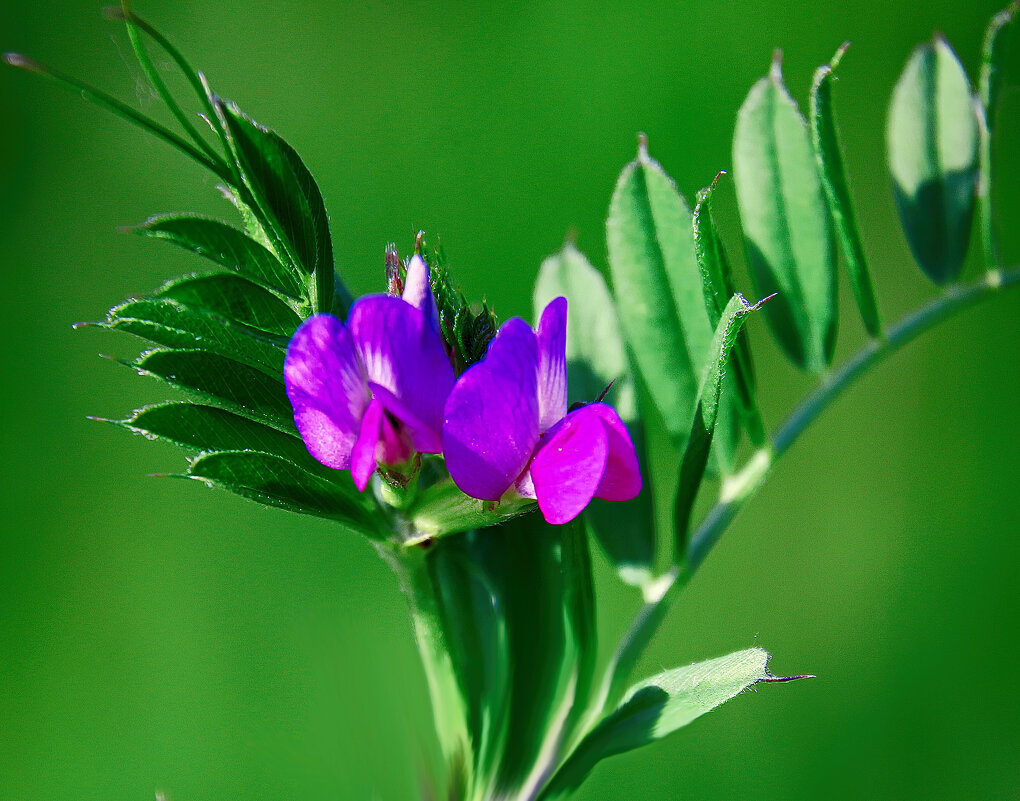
<point x="326" y="387"/>
<point x="552" y="363"/>
<point x="622" y="480"/>
<point x="569" y="465"/>
<point x="424" y="439"/>
<point x="363" y="458"/>
<point x="405" y="356"/>
<point x="491" y="418"/>
<point x="378" y="442"/>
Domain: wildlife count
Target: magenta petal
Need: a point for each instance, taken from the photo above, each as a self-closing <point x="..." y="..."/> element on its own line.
<point x="423" y="437"/>
<point x="418" y="291"/>
<point x="570" y="464"/>
<point x="379" y="441"/>
<point x="622" y="480"/>
<point x="363" y="459"/>
<point x="552" y="363"/>
<point x="491" y="419"/>
<point x="327" y="389"/>
<point x="365" y="456"/>
<point x="404" y="356"/>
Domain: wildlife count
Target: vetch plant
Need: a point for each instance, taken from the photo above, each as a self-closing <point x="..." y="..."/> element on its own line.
<point x="481" y="458"/>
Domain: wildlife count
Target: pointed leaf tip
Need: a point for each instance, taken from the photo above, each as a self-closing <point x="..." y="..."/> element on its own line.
<point x="642" y="138"/>
<point x="780" y="679"/>
<point x="776" y="67"/>
<point x="23" y="62"/>
<point x="829" y="157"/>
<point x="786" y="224"/>
<point x="840" y="52"/>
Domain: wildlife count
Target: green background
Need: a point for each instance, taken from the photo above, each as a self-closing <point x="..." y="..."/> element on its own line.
<point x="156" y="635"/>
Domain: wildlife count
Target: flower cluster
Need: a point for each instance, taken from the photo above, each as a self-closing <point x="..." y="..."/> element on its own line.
<point x="381" y="389"/>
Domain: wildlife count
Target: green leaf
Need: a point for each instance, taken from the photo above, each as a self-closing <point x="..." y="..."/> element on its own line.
<point x="288" y="198"/>
<point x="227" y="247"/>
<point x="467" y="333"/>
<point x="932" y="138"/>
<point x="428" y="579"/>
<point x="443" y="509"/>
<point x="695" y="458"/>
<point x="122" y="110"/>
<point x="236" y="386"/>
<point x="505" y="621"/>
<point x="657" y="286"/>
<point x="235" y="298"/>
<point x="829" y="154"/>
<point x="988" y="92"/>
<point x="659" y="706"/>
<point x="198" y="83"/>
<point x="173" y="325"/>
<point x="275" y="481"/>
<point x="207" y="428"/>
<point x="157" y="83"/>
<point x="717" y="281"/>
<point x="579" y="604"/>
<point x="992" y="56"/>
<point x="596" y="358"/>
<point x="524" y="561"/>
<point x="473" y="628"/>
<point x="786" y="222"/>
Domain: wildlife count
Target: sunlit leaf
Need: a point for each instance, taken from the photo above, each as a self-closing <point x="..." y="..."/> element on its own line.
<point x="275" y="481"/>
<point x="226" y="246"/>
<point x="235" y="386"/>
<point x="443" y="509"/>
<point x="989" y="86"/>
<point x="235" y="298"/>
<point x="717" y="282"/>
<point x="932" y="137"/>
<point x="207" y="428"/>
<point x="786" y="222"/>
<point x="829" y="154"/>
<point x="289" y="198"/>
<point x="695" y="458"/>
<point x="659" y="706"/>
<point x="174" y="325"/>
<point x="651" y="251"/>
<point x="992" y="66"/>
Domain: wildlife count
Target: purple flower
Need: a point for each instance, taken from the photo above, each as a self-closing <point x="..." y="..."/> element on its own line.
<point x="372" y="390"/>
<point x="506" y="425"/>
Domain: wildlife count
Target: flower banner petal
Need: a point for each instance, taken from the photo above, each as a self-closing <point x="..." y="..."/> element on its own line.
<point x="491" y="418"/>
<point x="404" y="355"/>
<point x="570" y="464"/>
<point x="418" y="291"/>
<point x="327" y="389"/>
<point x="552" y="363"/>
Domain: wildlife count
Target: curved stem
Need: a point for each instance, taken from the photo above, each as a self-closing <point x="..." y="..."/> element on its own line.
<point x="740" y="488"/>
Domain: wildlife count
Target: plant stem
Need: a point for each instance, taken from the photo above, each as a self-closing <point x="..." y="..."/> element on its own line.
<point x="741" y="487"/>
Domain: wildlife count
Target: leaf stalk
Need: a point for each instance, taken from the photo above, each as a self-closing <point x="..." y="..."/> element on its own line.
<point x="955" y="299"/>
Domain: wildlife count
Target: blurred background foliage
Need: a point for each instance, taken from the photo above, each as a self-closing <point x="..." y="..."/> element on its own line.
<point x="155" y="635"/>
